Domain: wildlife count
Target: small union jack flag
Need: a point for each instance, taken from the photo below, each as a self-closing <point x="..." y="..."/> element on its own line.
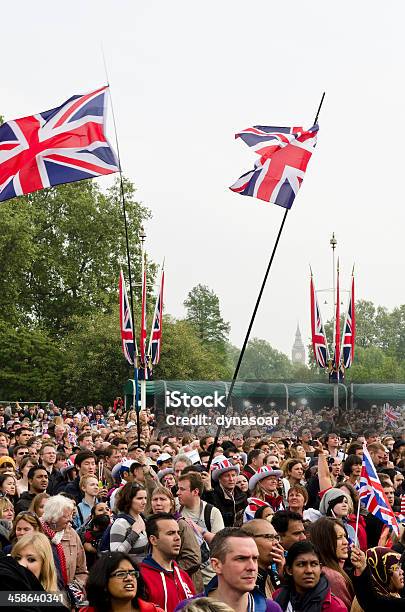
<point x="372" y="494"/>
<point x="284" y="156"/>
<point x="61" y="145"/>
<point x="156" y="333"/>
<point x="390" y="414"/>
<point x="349" y="334"/>
<point x="127" y="329"/>
<point x="319" y="342"/>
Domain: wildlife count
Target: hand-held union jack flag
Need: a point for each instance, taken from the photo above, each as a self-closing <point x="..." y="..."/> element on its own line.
<point x="127" y="329"/>
<point x="349" y="335"/>
<point x="284" y="156"/>
<point x="156" y="332"/>
<point x="319" y="343"/>
<point x="372" y="494"/>
<point x="391" y="415"/>
<point x="61" y="145"/>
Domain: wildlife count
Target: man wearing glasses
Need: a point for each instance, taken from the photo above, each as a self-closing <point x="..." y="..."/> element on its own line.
<point x="152" y="452"/>
<point x="271" y="555"/>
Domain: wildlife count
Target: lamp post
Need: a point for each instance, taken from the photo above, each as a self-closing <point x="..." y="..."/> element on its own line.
<point x="142" y="238"/>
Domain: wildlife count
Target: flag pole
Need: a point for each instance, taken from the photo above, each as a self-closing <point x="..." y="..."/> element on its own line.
<point x="259" y="297"/>
<point x="124" y="214"/>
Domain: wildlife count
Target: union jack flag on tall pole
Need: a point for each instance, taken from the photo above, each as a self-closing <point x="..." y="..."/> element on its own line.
<point x="156" y="331"/>
<point x="372" y="494"/>
<point x="319" y="342"/>
<point x="284" y="156"/>
<point x="336" y="356"/>
<point x="349" y="334"/>
<point x="143" y="315"/>
<point x="128" y="341"/>
<point x="61" y="145"/>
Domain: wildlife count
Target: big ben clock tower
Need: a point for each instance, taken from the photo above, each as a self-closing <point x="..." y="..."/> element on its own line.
<point x="298" y="349"/>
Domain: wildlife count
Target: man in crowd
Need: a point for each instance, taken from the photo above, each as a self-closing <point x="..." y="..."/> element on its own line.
<point x="234" y="559"/>
<point x="254" y="462"/>
<point x="166" y="584"/>
<point x="48" y="459"/>
<point x="377" y="454"/>
<point x="225" y="495"/>
<point x="37" y="483"/>
<point x="271" y="555"/>
<point x="85" y="464"/>
<point x="289" y="527"/>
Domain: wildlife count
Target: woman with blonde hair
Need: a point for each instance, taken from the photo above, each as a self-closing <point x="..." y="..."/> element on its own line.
<point x="24" y="523"/>
<point x="205" y="604"/>
<point x="34" y="552"/>
<point x="6" y="521"/>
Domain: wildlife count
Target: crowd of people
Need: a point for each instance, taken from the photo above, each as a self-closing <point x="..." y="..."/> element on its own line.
<point x="109" y="514"/>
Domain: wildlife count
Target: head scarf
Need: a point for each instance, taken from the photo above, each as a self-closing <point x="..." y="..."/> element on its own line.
<point x="380" y="562"/>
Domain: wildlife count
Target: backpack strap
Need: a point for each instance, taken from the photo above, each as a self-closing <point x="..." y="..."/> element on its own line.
<point x="207" y="515"/>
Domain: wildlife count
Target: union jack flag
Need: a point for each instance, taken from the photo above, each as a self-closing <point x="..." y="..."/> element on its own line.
<point x="349" y="335"/>
<point x="336" y="356"/>
<point x="390" y="414"/>
<point x="127" y="330"/>
<point x="284" y="156"/>
<point x="319" y="343"/>
<point x="156" y="332"/>
<point x="61" y="145"/>
<point x="372" y="494"/>
<point x="143" y="314"/>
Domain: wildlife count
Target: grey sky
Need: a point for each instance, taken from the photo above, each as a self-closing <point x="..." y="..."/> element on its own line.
<point x="185" y="77"/>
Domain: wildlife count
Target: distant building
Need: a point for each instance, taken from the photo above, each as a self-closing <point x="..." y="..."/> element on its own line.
<point x="298" y="349"/>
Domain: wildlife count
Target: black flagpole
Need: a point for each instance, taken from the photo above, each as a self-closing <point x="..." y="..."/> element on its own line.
<point x="259" y="297"/>
<point x="124" y="214"/>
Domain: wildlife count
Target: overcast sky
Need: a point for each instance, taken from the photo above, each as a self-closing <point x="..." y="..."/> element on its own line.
<point x="185" y="76"/>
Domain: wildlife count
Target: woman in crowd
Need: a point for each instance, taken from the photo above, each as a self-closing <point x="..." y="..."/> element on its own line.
<point x="24" y="523"/>
<point x="297" y="451"/>
<point x="22" y="484"/>
<point x="306" y="588"/>
<point x="352" y="469"/>
<point x="89" y="486"/>
<point x="263" y="487"/>
<point x="38" y="504"/>
<point x="66" y="545"/>
<point x="335" y="503"/>
<point x="8" y="487"/>
<point x="350" y="520"/>
<point x="34" y="552"/>
<point x="297" y="499"/>
<point x="189" y="557"/>
<point x="128" y="533"/>
<point x="242" y="482"/>
<point x="6" y="521"/>
<point x="115" y="585"/>
<point x="329" y="536"/>
<point x="378" y="580"/>
<point x="293" y="471"/>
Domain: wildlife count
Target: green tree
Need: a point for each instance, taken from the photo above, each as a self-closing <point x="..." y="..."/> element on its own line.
<point x="31" y="363"/>
<point x="67" y="261"/>
<point x="204" y="313"/>
<point x="185" y="356"/>
<point x="262" y="362"/>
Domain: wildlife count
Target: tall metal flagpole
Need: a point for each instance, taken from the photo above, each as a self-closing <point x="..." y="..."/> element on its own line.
<point x="124" y="213"/>
<point x="259" y="297"/>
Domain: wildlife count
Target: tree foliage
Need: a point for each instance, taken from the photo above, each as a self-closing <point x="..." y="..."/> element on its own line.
<point x="262" y="362"/>
<point x="204" y="313"/>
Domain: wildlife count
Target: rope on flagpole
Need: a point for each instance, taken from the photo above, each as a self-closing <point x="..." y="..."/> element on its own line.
<point x="124" y="213"/>
<point x="259" y="297"/>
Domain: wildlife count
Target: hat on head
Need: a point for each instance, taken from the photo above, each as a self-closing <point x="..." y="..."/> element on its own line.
<point x="69" y="466"/>
<point x="264" y="472"/>
<point x="164" y="457"/>
<point x="330" y="499"/>
<point x="164" y="472"/>
<point x="221" y="467"/>
<point x="7" y="459"/>
<point x="121" y="467"/>
<point x="398" y="444"/>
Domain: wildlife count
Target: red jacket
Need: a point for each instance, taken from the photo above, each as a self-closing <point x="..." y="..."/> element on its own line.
<point x="144" y="606"/>
<point x="166" y="588"/>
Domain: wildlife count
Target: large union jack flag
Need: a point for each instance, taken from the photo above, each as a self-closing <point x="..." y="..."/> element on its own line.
<point x="372" y="494"/>
<point x="319" y="343"/>
<point x="284" y="156"/>
<point x="156" y="332"/>
<point x="127" y="329"/>
<point x="349" y="335"/>
<point x="61" y="145"/>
